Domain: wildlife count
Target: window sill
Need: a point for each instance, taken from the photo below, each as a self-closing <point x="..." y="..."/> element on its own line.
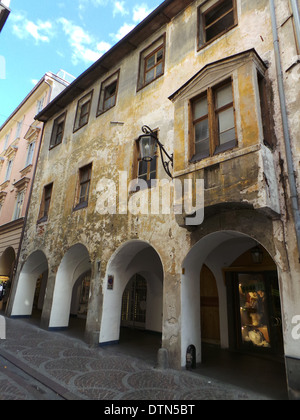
<point x="103" y="111"/>
<point x="80" y="206"/>
<point x="54" y="146"/>
<point x="220" y="149"/>
<point x="142" y="86"/>
<point x="26" y="170"/>
<point x="4" y="185"/>
<point x="138" y="188"/>
<point x="216" y="38"/>
<point x="78" y="128"/>
<point x="42" y="220"/>
<point x="219" y="158"/>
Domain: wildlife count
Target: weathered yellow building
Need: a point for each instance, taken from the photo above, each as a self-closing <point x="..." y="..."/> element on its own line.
<point x="218" y="83"/>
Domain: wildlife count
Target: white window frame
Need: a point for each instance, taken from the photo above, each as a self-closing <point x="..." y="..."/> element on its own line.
<point x="30" y="154"/>
<point x="19" y="205"/>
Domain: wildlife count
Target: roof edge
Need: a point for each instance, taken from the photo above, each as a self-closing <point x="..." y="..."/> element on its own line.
<point x="35" y="88"/>
<point x="44" y="114"/>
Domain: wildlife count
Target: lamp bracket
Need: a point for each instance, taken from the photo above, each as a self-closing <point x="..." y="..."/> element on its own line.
<point x="165" y="163"/>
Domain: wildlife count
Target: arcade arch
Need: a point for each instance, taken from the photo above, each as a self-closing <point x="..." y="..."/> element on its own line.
<point x="72" y="271"/>
<point x="134" y="260"/>
<point x="7" y="262"/>
<point x="218" y="251"/>
<point x="34" y="269"/>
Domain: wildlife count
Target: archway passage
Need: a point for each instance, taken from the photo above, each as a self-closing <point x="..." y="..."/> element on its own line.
<point x="250" y="351"/>
<point x="209" y="304"/>
<point x="79" y="306"/>
<point x="133" y="300"/>
<point x="7" y="262"/>
<point x="31" y="285"/>
<point x="71" y="292"/>
<point x="134" y="303"/>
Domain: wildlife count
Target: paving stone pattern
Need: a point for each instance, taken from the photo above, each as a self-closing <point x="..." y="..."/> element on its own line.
<point x="74" y="371"/>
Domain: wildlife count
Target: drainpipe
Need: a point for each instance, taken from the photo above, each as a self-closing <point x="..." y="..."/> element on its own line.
<point x="287" y="139"/>
<point x="296" y="15"/>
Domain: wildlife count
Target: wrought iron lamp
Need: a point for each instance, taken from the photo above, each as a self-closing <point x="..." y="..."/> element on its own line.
<point x="148" y="143"/>
<point x="257" y="255"/>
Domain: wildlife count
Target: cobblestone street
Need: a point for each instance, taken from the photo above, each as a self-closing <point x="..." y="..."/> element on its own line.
<point x="56" y="366"/>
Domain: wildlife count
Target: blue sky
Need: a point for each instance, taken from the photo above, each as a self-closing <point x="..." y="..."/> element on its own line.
<point x="41" y="36"/>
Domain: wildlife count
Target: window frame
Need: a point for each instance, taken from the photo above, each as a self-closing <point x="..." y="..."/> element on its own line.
<point x="84" y="100"/>
<point x="107" y="83"/>
<point x="9" y="166"/>
<point x="84" y="203"/>
<point x="19" y="205"/>
<point x="30" y="153"/>
<point x="146" y="54"/>
<point x="201" y="25"/>
<point x="42" y="216"/>
<point x="61" y="120"/>
<point x="215" y="147"/>
<point x="264" y="88"/>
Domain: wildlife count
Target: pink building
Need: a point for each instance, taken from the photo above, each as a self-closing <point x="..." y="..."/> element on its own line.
<point x="20" y="137"/>
<point x="4" y="12"/>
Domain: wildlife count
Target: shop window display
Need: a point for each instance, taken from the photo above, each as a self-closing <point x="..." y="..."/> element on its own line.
<point x="255" y="329"/>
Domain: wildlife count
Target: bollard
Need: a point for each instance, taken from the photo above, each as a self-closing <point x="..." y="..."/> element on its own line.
<point x="162" y="358"/>
<point x="191" y="357"/>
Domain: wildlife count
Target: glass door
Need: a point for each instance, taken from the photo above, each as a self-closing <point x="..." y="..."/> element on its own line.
<point x="254" y="315"/>
<point x="134" y="303"/>
<point x="259" y="312"/>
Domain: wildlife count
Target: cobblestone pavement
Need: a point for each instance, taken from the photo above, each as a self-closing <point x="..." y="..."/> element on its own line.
<point x="62" y="367"/>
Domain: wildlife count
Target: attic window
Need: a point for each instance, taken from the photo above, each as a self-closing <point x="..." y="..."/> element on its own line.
<point x="58" y="130"/>
<point x="108" y="93"/>
<point x="83" y="111"/>
<point x="152" y="62"/>
<point x="215" y="20"/>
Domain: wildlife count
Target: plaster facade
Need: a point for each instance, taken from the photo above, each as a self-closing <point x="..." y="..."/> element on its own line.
<point x="247" y="199"/>
<point x="20" y="137"/>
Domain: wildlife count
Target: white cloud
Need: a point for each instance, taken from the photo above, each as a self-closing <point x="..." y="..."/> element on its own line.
<point x="84" y="45"/>
<point x="123" y="31"/>
<point x="140" y="12"/>
<point x="119" y="7"/>
<point x="23" y="28"/>
<point x="103" y="47"/>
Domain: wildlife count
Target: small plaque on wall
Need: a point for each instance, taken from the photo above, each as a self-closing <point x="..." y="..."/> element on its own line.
<point x="110" y="282"/>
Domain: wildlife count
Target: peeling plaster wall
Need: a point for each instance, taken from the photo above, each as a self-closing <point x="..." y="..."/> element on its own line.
<point x="252" y="179"/>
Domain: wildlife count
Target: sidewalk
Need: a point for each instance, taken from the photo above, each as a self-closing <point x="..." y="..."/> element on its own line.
<point x="74" y="371"/>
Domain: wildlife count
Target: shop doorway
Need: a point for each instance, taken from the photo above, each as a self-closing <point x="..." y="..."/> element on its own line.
<point x="7" y="262"/>
<point x="39" y="295"/>
<point x="209" y="303"/>
<point x="132" y="311"/>
<point x="134" y="303"/>
<point x="255" y="310"/>
<point x="228" y="258"/>
<point x="80" y="296"/>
